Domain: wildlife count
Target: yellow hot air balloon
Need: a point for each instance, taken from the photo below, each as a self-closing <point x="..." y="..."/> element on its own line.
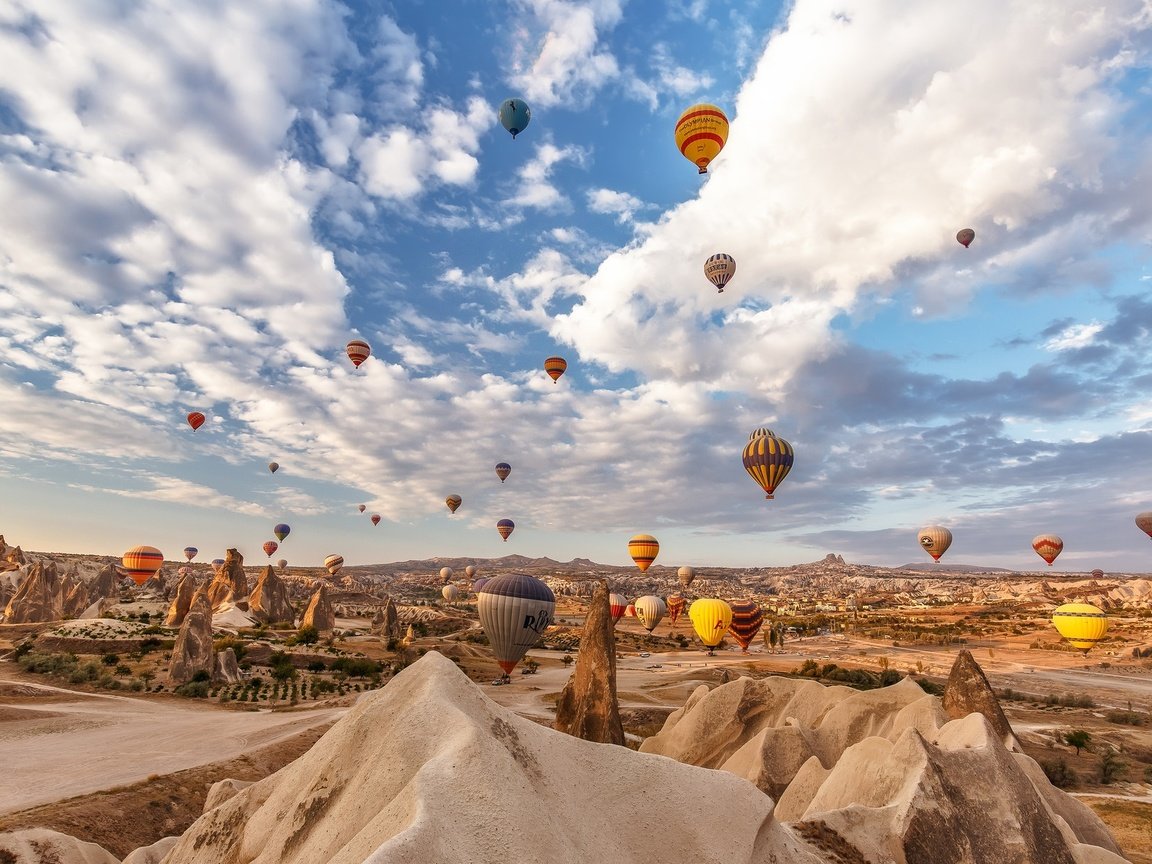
<point x="935" y="540"/>
<point x="142" y="562"/>
<point x="767" y="459"/>
<point x="701" y="133"/>
<point x="1082" y="624"/>
<point x="710" y="619"/>
<point x="643" y="548"/>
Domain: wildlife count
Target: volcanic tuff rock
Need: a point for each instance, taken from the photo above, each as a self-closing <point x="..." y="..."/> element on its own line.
<point x="153" y="854"/>
<point x="39" y="597"/>
<point x="182" y="602"/>
<point x="230" y="585"/>
<point x="224" y="790"/>
<point x="270" y="600"/>
<point x="968" y="691"/>
<point x="192" y="652"/>
<point x="587" y="707"/>
<point x="378" y="787"/>
<point x="42" y="846"/>
<point x="319" y="613"/>
<point x="226" y="669"/>
<point x="386" y="624"/>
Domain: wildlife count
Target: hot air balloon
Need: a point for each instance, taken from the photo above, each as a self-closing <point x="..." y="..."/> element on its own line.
<point x="196" y="419"/>
<point x="281" y="531"/>
<point x="630" y="610"/>
<point x="270" y="547"/>
<point x="333" y="563"/>
<point x="643" y="548"/>
<point x="480" y="583"/>
<point x="1144" y="522"/>
<point x="469" y="571"/>
<point x="375" y="517"/>
<point x="142" y="562"/>
<point x="184" y="571"/>
<point x="362" y="507"/>
<point x="273" y="467"/>
<point x="650" y="610"/>
<point x="503" y="469"/>
<point x="515" y="610"/>
<point x="935" y="540"/>
<point x="767" y="459"/>
<point x="446" y="574"/>
<point x="1082" y="624"/>
<point x="719" y="269"/>
<point x="701" y="133"/>
<point x="1097" y="574"/>
<point x="965" y="236"/>
<point x="617" y="605"/>
<point x="358" y="351"/>
<point x="710" y="619"/>
<point x="515" y="115"/>
<point x="190" y="552"/>
<point x="687" y="576"/>
<point x="1048" y="547"/>
<point x="450" y="593"/>
<point x="505" y="527"/>
<point x="555" y="367"/>
<point x="453" y="502"/>
<point x="746" y="620"/>
<point x="282" y="564"/>
<point x="676" y="605"/>
<point x="217" y="565"/>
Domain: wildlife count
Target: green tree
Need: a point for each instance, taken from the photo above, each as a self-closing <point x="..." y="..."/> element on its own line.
<point x="1110" y="766"/>
<point x="1079" y="739"/>
<point x="307" y="635"/>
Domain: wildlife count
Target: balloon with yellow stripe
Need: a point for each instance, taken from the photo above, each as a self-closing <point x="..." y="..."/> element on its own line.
<point x="711" y="619"/>
<point x="701" y="133"/>
<point x="1082" y="624"/>
<point x="767" y="459"/>
<point x="643" y="548"/>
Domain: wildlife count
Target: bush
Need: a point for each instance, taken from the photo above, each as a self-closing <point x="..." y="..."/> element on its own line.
<point x="356" y="667"/>
<point x="1079" y="739"/>
<point x="201" y="676"/>
<point x="1059" y="774"/>
<point x="21" y="650"/>
<point x="307" y="635"/>
<point x="1110" y="767"/>
<point x="194" y="689"/>
<point x="1127" y="718"/>
<point x="123" y="670"/>
<point x="110" y="659"/>
<point x="316" y="666"/>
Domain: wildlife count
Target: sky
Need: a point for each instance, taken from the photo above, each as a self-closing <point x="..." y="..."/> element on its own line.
<point x="202" y="203"/>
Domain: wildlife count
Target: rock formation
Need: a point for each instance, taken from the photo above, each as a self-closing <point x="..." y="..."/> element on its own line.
<point x="386" y="624"/>
<point x="39" y="597"/>
<point x="968" y="691"/>
<point x="182" y="602"/>
<point x="153" y="854"/>
<point x="270" y="602"/>
<point x="224" y="790"/>
<point x="226" y="669"/>
<point x="43" y="846"/>
<point x="14" y="556"/>
<point x="587" y="707"/>
<point x="193" y="652"/>
<point x="319" y="613"/>
<point x="230" y="585"/>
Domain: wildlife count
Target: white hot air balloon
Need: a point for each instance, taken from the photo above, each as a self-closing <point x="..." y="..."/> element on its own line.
<point x="515" y="610"/>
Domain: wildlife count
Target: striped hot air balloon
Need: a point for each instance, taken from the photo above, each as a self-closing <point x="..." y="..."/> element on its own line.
<point x="358" y="351"/>
<point x="142" y="562"/>
<point x="217" y="565"/>
<point x="505" y="527"/>
<point x="333" y="563"/>
<point x="1048" y="547"/>
<point x="453" y="502"/>
<point x="503" y="469"/>
<point x="515" y="610"/>
<point x="555" y="367"/>
<point x="643" y="548"/>
<point x="746" y="620"/>
<point x="270" y="547"/>
<point x="767" y="459"/>
<point x="190" y="552"/>
<point x="650" y="611"/>
<point x="282" y="564"/>
<point x="935" y="540"/>
<point x="1082" y="624"/>
<point x="710" y="619"/>
<point x="676" y="605"/>
<point x="701" y="133"/>
<point x="719" y="269"/>
<point x="196" y="419"/>
<point x="446" y="574"/>
<point x="480" y="583"/>
<point x="630" y="610"/>
<point x="617" y="605"/>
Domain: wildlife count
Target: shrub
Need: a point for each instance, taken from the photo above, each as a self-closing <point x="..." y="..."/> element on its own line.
<point x="1110" y="766"/>
<point x="194" y="689"/>
<point x="1127" y="718"/>
<point x="316" y="666"/>
<point x="1079" y="739"/>
<point x="110" y="659"/>
<point x="306" y="635"/>
<point x="1059" y="774"/>
<point x="201" y="676"/>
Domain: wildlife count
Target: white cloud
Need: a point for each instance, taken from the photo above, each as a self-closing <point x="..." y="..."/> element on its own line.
<point x="535" y="189"/>
<point x="618" y="204"/>
<point x="1075" y="336"/>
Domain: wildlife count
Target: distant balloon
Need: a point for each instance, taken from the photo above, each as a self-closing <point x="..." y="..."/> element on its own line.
<point x="555" y="367"/>
<point x="505" y="527"/>
<point x="217" y="565"/>
<point x="1048" y="547"/>
<point x="333" y="563"/>
<point x="503" y="469"/>
<point x="650" y="611"/>
<point x="687" y="576"/>
<point x="358" y="351"/>
<point x="767" y="459"/>
<point x="965" y="236"/>
<point x="720" y="268"/>
<point x="676" y="605"/>
<point x="450" y="593"/>
<point x="1144" y="522"/>
<point x="643" y="548"/>
<point x="746" y="620"/>
<point x="190" y="552"/>
<point x="701" y="133"/>
<point x="362" y="507"/>
<point x="270" y="547"/>
<point x="446" y="574"/>
<point x="935" y="540"/>
<point x="184" y="571"/>
<point x="515" y="115"/>
<point x="515" y="610"/>
<point x="470" y="571"/>
<point x="273" y="467"/>
<point x="1097" y="574"/>
<point x="142" y="562"/>
<point x="282" y="564"/>
<point x="710" y="619"/>
<point x="375" y="517"/>
<point x="1082" y="624"/>
<point x="617" y="605"/>
<point x="453" y="502"/>
<point x="281" y="531"/>
<point x="480" y="583"/>
<point x="196" y="419"/>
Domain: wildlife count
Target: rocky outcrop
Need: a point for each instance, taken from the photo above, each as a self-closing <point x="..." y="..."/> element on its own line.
<point x="224" y="790"/>
<point x="270" y="602"/>
<point x="39" y="597"/>
<point x="230" y="585"/>
<point x="319" y="613"/>
<point x="968" y="692"/>
<point x="193" y="652"/>
<point x="153" y="854"/>
<point x="587" y="707"/>
<point x="227" y="670"/>
<point x="43" y="846"/>
<point x="182" y="602"/>
<point x="14" y="557"/>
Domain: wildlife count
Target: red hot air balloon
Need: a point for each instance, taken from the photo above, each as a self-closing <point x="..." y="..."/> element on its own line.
<point x="555" y="367"/>
<point x="1048" y="546"/>
<point x="362" y="507"/>
<point x="617" y="603"/>
<point x="505" y="527"/>
<point x="965" y="236"/>
<point x="270" y="547"/>
<point x="375" y="518"/>
<point x="676" y="604"/>
<point x="358" y="351"/>
<point x="196" y="419"/>
<point x="746" y="620"/>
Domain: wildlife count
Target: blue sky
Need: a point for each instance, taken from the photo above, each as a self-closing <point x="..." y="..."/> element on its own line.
<point x="204" y="202"/>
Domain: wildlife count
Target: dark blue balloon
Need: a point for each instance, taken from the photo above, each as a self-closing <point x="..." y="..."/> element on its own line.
<point x="515" y="115"/>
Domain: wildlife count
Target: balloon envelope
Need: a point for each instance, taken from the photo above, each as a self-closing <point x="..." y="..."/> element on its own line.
<point x="217" y="565"/>
<point x="935" y="540"/>
<point x="701" y="133"/>
<point x="965" y="236"/>
<point x="281" y="531"/>
<point x="375" y="518"/>
<point x="333" y="563"/>
<point x="1082" y="624"/>
<point x="282" y="564"/>
<point x="686" y="575"/>
<point x="480" y="583"/>
<point x="273" y="467"/>
<point x="555" y="367"/>
<point x="142" y="562"/>
<point x="362" y="507"/>
<point x="710" y="619"/>
<point x="503" y="469"/>
<point x="1144" y="522"/>
<point x="617" y="605"/>
<point x="450" y="593"/>
<point x="643" y="548"/>
<point x="190" y="552"/>
<point x="515" y="115"/>
<point x="270" y="547"/>
<point x="675" y="605"/>
<point x="515" y="610"/>
<point x="650" y="610"/>
<point x="505" y="527"/>
<point x="1048" y="547"/>
<point x="446" y="574"/>
<point x="719" y="269"/>
<point x="358" y="351"/>
<point x="767" y="459"/>
<point x="453" y="501"/>
<point x="196" y="419"/>
<point x="746" y="620"/>
<point x="469" y="571"/>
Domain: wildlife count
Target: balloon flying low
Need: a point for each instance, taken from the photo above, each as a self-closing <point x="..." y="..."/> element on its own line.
<point x="515" y="610"/>
<point x="282" y="564"/>
<point x="503" y="469"/>
<point x="719" y="269"/>
<point x="555" y="367"/>
<point x="453" y="502"/>
<point x="617" y="605"/>
<point x="686" y="575"/>
<point x="767" y="459"/>
<point x="217" y="565"/>
<point x="710" y="619"/>
<point x="375" y="517"/>
<point x="965" y="236"/>
<point x="505" y="527"/>
<point x="196" y="419"/>
<point x="450" y="593"/>
<point x="701" y="133"/>
<point x="358" y="351"/>
<point x="746" y="620"/>
<point x="281" y="531"/>
<point x="270" y="547"/>
<point x="1048" y="547"/>
<point x="190" y="552"/>
<point x="333" y="563"/>
<point x="515" y="115"/>
<point x="650" y="611"/>
<point x="643" y="548"/>
<point x="470" y="571"/>
<point x="142" y="562"/>
<point x="935" y="540"/>
<point x="1082" y="624"/>
<point x="446" y="574"/>
<point x="675" y="605"/>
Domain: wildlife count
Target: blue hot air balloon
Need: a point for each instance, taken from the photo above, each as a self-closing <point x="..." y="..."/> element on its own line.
<point x="281" y="531"/>
<point x="515" y="115"/>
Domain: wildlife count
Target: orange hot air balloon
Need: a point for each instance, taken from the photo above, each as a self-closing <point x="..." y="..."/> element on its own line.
<point x="453" y="502"/>
<point x="643" y="548"/>
<point x="965" y="236"/>
<point x="270" y="547"/>
<point x="142" y="562"/>
<point x="358" y="351"/>
<point x="1048" y="547"/>
<point x="555" y="367"/>
<point x="196" y="419"/>
<point x="375" y="518"/>
<point x="505" y="527"/>
<point x="676" y="604"/>
<point x="701" y="133"/>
